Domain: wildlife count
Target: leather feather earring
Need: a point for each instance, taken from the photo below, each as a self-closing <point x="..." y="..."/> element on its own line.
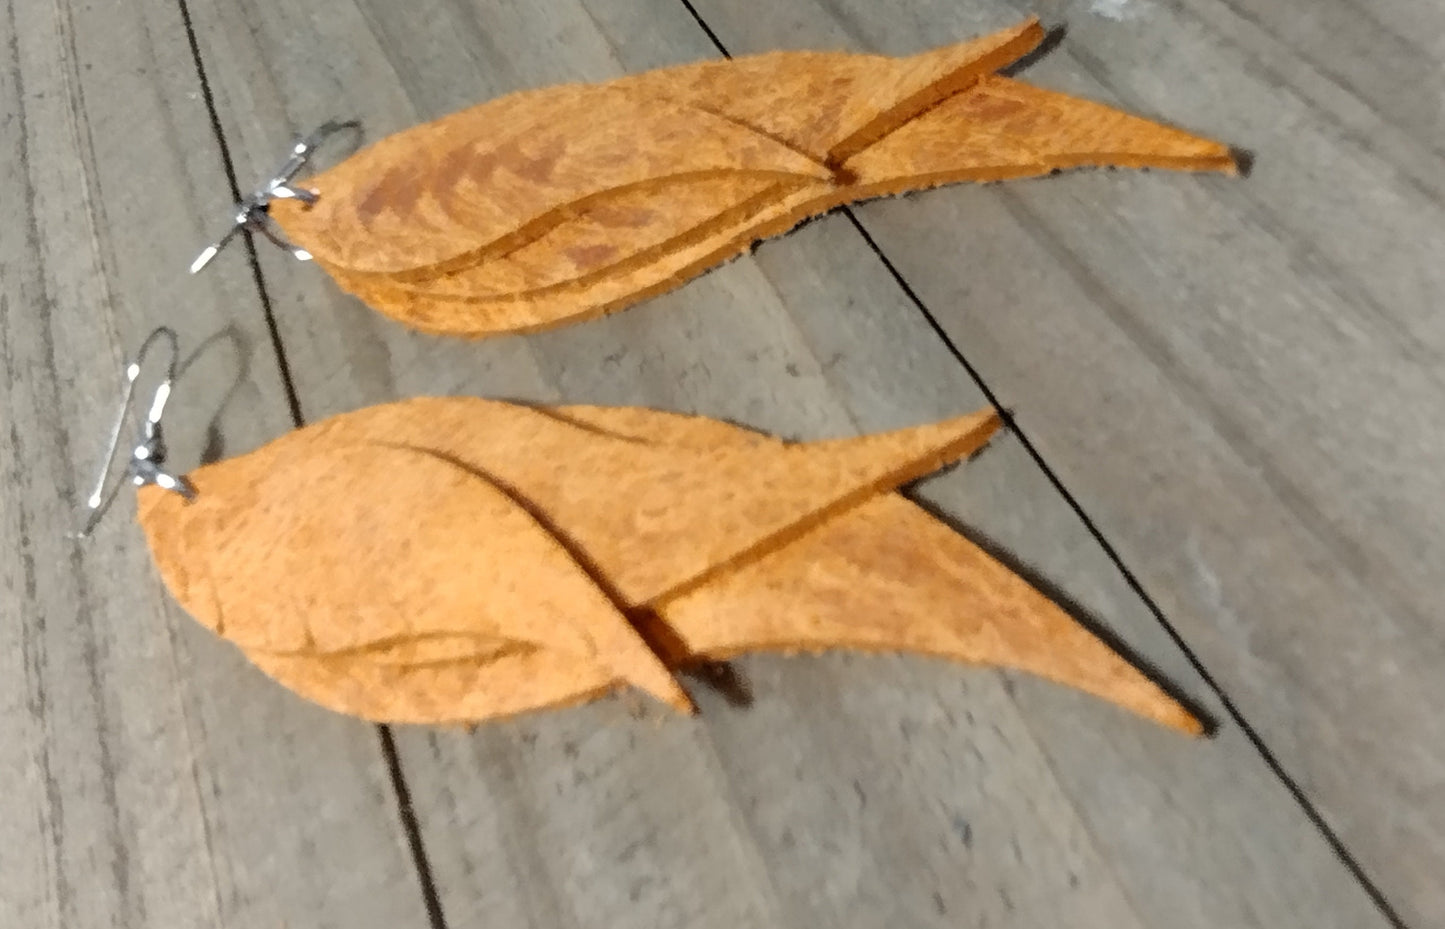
<point x="555" y="205"/>
<point x="444" y="560"/>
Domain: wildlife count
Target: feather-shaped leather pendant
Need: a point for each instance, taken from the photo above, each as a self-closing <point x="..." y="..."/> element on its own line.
<point x="449" y="560"/>
<point x="555" y="205"/>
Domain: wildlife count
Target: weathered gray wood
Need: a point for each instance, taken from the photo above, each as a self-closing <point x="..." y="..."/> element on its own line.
<point x="149" y="777"/>
<point x="1239" y="380"/>
<point x="855" y="791"/>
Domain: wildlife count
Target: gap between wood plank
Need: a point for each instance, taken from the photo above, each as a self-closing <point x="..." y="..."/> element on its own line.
<point x="1312" y="813"/>
<point x="401" y="793"/>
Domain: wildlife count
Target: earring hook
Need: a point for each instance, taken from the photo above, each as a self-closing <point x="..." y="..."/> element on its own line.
<point x="251" y="213"/>
<point x="148" y="456"/>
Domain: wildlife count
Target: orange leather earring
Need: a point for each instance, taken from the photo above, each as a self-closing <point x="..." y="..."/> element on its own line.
<point x="556" y="205"/>
<point x="444" y="560"/>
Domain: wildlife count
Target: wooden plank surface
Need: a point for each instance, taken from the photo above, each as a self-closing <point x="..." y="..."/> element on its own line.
<point x="149" y="778"/>
<point x="1257" y="363"/>
<point x="854" y="790"/>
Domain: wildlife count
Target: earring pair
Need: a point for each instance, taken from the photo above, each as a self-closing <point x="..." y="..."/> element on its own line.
<point x="454" y="559"/>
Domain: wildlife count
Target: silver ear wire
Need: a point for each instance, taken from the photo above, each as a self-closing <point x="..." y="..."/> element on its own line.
<point x="251" y="212"/>
<point x="147" y="458"/>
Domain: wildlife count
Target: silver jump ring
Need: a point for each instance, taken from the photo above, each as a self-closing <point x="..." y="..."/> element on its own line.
<point x="146" y="464"/>
<point x="251" y="213"/>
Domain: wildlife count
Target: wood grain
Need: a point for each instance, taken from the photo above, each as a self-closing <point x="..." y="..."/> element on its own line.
<point x="1258" y="364"/>
<point x="853" y="791"/>
<point x="140" y="790"/>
